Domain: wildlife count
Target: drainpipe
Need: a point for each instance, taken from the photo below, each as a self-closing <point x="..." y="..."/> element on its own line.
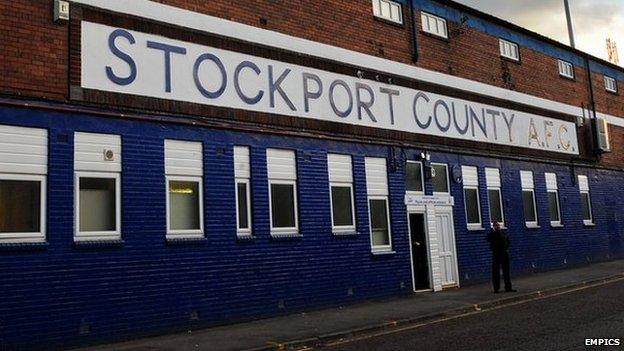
<point x="414" y="33"/>
<point x="592" y="104"/>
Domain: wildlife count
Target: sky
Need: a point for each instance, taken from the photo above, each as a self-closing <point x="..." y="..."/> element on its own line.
<point x="594" y="20"/>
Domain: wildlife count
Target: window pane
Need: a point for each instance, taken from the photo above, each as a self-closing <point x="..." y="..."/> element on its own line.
<point x="586" y="206"/>
<point x="413" y="176"/>
<point x="184" y="205"/>
<point x="379" y="222"/>
<point x="440" y="181"/>
<point x="20" y="206"/>
<point x="553" y="206"/>
<point x="283" y="205"/>
<point x="341" y="205"/>
<point x="97" y="205"/>
<point x="243" y="220"/>
<point x="471" y="197"/>
<point x="496" y="205"/>
<point x="529" y="206"/>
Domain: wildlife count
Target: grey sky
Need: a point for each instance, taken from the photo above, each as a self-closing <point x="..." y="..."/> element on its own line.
<point x="594" y="20"/>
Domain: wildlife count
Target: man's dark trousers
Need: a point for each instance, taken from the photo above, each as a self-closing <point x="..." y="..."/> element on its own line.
<point x="500" y="259"/>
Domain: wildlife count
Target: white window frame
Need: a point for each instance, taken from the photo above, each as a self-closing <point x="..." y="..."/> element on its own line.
<point x="342" y="228"/>
<point x="530" y="224"/>
<point x="380" y="248"/>
<point x="554" y="190"/>
<point x="610" y="84"/>
<point x="508" y="48"/>
<point x="97" y="235"/>
<point x="448" y="181"/>
<point x="186" y="233"/>
<point x="284" y="230"/>
<point x="566" y="69"/>
<point x="426" y="19"/>
<point x="243" y="231"/>
<point x="474" y="225"/>
<point x="500" y="204"/>
<point x="422" y="179"/>
<point x="29" y="237"/>
<point x="590" y="221"/>
<point x="377" y="4"/>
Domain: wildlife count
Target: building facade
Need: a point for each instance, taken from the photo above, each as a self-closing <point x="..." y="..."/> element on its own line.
<point x="167" y="165"/>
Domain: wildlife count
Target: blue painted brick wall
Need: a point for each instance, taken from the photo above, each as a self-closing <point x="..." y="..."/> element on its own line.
<point x="148" y="286"/>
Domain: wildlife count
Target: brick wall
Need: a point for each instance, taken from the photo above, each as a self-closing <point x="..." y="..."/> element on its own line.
<point x="36" y="60"/>
<point x="62" y="295"/>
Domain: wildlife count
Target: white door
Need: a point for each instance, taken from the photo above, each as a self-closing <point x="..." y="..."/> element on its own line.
<point x="448" y="261"/>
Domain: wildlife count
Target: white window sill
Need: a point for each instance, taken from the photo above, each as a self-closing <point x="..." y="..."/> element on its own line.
<point x="589" y="224"/>
<point x="532" y="226"/>
<point x="556" y="225"/>
<point x="245" y="236"/>
<point x="382" y="252"/>
<point x="283" y="235"/>
<point x="475" y="227"/>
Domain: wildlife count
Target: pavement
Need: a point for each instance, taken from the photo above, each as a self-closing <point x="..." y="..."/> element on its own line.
<point x="329" y="326"/>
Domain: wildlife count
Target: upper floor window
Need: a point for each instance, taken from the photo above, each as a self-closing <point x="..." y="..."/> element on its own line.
<point x="566" y="69"/>
<point x="434" y="25"/>
<point x="388" y="10"/>
<point x="610" y="84"/>
<point x="183" y="175"/>
<point x="97" y="165"/>
<point x="414" y="176"/>
<point x="23" y="171"/>
<point x="509" y="50"/>
<point x="341" y="192"/>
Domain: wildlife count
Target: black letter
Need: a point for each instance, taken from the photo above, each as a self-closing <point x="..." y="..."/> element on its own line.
<point x="167" y="50"/>
<point x="198" y="84"/>
<point x="307" y="94"/>
<point x="419" y="95"/>
<point x="274" y="85"/>
<point x="248" y="100"/>
<point x="122" y="55"/>
<point x="390" y="92"/>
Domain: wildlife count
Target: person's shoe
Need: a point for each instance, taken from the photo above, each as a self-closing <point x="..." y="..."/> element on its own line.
<point x="511" y="290"/>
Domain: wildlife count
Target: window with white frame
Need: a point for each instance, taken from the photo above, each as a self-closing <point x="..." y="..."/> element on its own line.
<point x="378" y="206"/>
<point x="495" y="198"/>
<point x="586" y="206"/>
<point x="472" y="204"/>
<point x="434" y="25"/>
<point x="528" y="198"/>
<point x="554" y="208"/>
<point x="97" y="183"/>
<point x="388" y="10"/>
<point x="566" y="69"/>
<point x="282" y="174"/>
<point x="414" y="177"/>
<point x="341" y="192"/>
<point x="440" y="179"/>
<point x="183" y="174"/>
<point x="242" y="174"/>
<point x="610" y="84"/>
<point x="509" y="50"/>
<point x="23" y="171"/>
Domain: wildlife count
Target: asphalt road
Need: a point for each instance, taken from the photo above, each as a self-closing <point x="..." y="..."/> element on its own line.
<point x="560" y="322"/>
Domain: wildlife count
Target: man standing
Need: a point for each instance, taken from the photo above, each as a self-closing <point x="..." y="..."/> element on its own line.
<point x="499" y="244"/>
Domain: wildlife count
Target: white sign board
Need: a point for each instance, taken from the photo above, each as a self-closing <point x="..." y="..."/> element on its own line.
<point x="130" y="62"/>
<point x="425" y="200"/>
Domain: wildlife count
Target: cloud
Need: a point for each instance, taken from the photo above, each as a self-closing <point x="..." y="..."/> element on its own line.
<point x="594" y="20"/>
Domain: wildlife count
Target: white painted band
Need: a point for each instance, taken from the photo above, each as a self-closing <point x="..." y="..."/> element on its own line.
<point x="214" y="25"/>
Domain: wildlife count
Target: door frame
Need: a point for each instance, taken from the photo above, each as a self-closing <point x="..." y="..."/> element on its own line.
<point x="423" y="211"/>
<point x="449" y="210"/>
